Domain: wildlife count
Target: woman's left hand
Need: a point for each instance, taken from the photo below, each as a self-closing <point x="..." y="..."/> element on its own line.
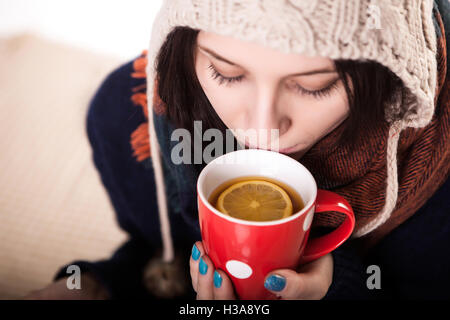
<point x="310" y="282"/>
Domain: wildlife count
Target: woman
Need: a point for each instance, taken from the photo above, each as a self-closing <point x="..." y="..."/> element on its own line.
<point x="359" y="93"/>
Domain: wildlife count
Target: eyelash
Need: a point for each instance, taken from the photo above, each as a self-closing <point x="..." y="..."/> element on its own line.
<point x="321" y="93"/>
<point x="221" y="79"/>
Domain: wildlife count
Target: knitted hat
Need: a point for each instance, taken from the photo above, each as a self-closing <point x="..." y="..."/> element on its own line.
<point x="397" y="34"/>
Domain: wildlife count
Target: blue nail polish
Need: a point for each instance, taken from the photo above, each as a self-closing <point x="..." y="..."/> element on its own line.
<point x="195" y="253"/>
<point x="275" y="283"/>
<point x="202" y="267"/>
<point x="217" y="279"/>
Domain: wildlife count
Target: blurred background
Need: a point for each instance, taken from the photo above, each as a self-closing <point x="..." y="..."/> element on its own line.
<point x="53" y="56"/>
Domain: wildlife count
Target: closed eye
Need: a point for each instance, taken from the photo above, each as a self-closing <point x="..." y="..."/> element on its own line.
<point x="321" y="93"/>
<point x="216" y="75"/>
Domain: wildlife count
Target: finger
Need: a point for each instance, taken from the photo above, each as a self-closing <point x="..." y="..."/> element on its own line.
<point x="205" y="279"/>
<point x="223" y="287"/>
<point x="312" y="282"/>
<point x="197" y="251"/>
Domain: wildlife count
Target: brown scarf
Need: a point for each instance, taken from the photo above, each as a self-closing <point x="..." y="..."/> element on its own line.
<point x="360" y="176"/>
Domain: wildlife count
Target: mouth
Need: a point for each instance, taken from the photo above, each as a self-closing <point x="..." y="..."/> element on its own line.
<point x="288" y="150"/>
<point x="292" y="149"/>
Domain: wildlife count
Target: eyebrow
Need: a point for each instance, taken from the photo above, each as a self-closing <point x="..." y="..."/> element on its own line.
<point x="218" y="57"/>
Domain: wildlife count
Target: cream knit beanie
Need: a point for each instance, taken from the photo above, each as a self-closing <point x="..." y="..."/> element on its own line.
<point x="398" y="34"/>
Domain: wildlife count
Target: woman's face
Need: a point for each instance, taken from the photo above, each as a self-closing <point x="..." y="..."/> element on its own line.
<point x="255" y="87"/>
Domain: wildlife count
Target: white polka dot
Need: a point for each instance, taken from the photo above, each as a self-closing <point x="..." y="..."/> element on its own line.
<point x="238" y="269"/>
<point x="308" y="220"/>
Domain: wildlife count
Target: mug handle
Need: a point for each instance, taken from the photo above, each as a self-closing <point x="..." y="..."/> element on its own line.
<point x="318" y="247"/>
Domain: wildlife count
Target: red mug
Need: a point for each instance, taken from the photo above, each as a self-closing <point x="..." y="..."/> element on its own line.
<point x="248" y="250"/>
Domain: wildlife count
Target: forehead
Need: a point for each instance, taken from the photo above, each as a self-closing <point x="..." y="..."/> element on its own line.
<point x="254" y="56"/>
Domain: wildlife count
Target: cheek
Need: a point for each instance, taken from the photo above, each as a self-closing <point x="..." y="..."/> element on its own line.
<point x="228" y="103"/>
<point x="319" y="117"/>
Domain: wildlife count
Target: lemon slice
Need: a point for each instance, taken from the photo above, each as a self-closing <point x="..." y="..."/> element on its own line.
<point x="255" y="200"/>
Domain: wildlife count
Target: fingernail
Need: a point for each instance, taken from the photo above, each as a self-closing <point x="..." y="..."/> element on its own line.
<point x="217" y="279"/>
<point x="202" y="267"/>
<point x="275" y="282"/>
<point x="195" y="253"/>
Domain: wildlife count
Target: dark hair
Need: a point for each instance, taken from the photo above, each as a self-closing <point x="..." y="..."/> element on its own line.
<point x="374" y="86"/>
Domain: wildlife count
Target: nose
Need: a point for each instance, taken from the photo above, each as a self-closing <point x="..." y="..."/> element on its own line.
<point x="267" y="114"/>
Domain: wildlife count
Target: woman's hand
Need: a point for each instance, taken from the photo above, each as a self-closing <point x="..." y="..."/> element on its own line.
<point x="310" y="282"/>
<point x="210" y="284"/>
<point x="90" y="290"/>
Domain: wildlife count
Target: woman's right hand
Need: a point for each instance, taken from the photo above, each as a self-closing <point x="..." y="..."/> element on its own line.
<point x="208" y="283"/>
<point x="90" y="290"/>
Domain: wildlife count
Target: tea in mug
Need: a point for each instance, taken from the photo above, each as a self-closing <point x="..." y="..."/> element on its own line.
<point x="256" y="198"/>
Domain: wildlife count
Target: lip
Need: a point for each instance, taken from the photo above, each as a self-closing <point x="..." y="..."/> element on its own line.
<point x="284" y="151"/>
<point x="290" y="149"/>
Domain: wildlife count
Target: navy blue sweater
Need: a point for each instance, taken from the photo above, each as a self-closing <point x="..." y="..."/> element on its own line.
<point x="413" y="260"/>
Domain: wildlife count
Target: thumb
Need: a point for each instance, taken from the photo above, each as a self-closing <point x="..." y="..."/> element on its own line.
<point x="312" y="282"/>
<point x="287" y="284"/>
